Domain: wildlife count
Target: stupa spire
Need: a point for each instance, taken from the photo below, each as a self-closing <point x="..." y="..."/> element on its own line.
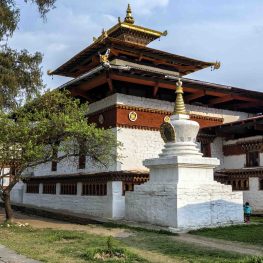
<point x="179" y="107"/>
<point x="129" y="18"/>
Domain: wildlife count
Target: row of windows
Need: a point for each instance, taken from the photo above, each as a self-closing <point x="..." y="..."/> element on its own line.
<point x="239" y="185"/>
<point x="68" y="189"/>
<point x="243" y="185"/>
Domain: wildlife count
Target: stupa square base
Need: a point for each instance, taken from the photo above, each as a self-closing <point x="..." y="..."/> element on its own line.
<point x="181" y="193"/>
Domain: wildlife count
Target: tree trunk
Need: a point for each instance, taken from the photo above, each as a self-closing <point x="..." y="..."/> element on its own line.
<point x="8" y="209"/>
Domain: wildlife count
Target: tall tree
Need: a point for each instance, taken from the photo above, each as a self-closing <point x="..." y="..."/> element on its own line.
<point x="32" y="127"/>
<point x="54" y="122"/>
<point x="20" y="74"/>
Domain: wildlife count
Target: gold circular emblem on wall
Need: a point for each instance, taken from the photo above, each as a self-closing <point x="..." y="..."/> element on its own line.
<point x="101" y="119"/>
<point x="133" y="116"/>
<point x="166" y="119"/>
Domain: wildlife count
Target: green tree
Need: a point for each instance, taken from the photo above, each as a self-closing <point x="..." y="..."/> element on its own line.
<point x="34" y="128"/>
<point x="20" y="74"/>
<point x="52" y="123"/>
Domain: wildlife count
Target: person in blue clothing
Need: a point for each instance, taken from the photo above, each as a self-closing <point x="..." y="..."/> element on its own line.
<point x="247" y="212"/>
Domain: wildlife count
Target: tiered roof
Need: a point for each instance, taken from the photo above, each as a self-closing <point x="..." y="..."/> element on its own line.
<point x="135" y="69"/>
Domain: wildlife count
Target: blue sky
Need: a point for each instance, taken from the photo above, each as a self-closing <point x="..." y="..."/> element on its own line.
<point x="230" y="31"/>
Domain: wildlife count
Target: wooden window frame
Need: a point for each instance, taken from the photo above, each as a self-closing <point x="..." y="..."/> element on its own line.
<point x="248" y="161"/>
<point x="68" y="189"/>
<point x="206" y="149"/>
<point x="49" y="188"/>
<point x="32" y="188"/>
<point x="94" y="189"/>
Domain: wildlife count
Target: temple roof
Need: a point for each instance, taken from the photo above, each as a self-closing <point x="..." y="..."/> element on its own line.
<point x="181" y="64"/>
<point x="144" y="81"/>
<point x="130" y="40"/>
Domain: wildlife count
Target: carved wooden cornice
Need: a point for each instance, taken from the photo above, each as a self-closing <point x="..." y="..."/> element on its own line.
<point x="125" y="176"/>
<point x="205" y="138"/>
<point x="252" y="145"/>
<point x="242" y="173"/>
<point x="244" y="146"/>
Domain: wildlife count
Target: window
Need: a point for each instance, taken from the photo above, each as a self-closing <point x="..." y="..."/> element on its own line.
<point x="127" y="187"/>
<point x="32" y="188"/>
<point x="54" y="165"/>
<point x="260" y="184"/>
<point x="206" y="149"/>
<point x="94" y="189"/>
<point x="82" y="161"/>
<point x="68" y="189"/>
<point x="252" y="159"/>
<point x="240" y="185"/>
<point x="49" y="188"/>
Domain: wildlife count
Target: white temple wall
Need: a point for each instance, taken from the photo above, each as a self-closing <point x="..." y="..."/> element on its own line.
<point x="235" y="161"/>
<point x="71" y="166"/>
<point x="254" y="196"/>
<point x="111" y="205"/>
<point x="137" y="146"/>
<point x="217" y="151"/>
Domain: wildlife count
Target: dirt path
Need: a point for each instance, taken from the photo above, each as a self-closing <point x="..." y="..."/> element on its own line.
<point x="9" y="256"/>
<point x="230" y="246"/>
<point x="40" y="222"/>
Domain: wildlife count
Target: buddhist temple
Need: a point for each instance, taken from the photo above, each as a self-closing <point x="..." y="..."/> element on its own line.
<point x="131" y="88"/>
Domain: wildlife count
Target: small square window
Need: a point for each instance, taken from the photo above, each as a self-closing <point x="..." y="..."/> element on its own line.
<point x="252" y="159"/>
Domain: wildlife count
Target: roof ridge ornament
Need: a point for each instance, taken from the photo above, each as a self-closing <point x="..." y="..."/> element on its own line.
<point x="129" y="18"/>
<point x="104" y="59"/>
<point x="216" y="65"/>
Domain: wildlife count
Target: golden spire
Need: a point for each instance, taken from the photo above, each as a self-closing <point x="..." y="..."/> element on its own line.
<point x="179" y="107"/>
<point x="129" y="19"/>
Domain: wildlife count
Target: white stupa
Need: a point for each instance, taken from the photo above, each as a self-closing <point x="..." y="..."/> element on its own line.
<point x="181" y="192"/>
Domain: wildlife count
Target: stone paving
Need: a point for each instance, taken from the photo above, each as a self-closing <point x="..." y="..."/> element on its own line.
<point x="9" y="256"/>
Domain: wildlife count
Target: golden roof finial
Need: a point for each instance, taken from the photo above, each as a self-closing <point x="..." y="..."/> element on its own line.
<point x="179" y="107"/>
<point x="129" y="19"/>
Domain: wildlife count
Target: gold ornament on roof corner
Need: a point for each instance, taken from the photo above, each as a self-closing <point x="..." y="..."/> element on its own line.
<point x="104" y="59"/>
<point x="104" y="33"/>
<point x="216" y="65"/>
<point x="49" y="72"/>
<point x="179" y="107"/>
<point x="129" y="19"/>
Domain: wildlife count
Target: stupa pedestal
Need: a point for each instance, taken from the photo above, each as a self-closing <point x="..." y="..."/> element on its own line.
<point x="181" y="192"/>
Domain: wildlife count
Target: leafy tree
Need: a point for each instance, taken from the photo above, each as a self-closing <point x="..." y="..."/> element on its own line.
<point x="52" y="123"/>
<point x="34" y="128"/>
<point x="20" y="74"/>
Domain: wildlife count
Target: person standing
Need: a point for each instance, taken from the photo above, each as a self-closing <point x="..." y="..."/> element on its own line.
<point x="247" y="212"/>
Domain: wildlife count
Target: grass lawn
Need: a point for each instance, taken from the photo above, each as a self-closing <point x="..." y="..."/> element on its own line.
<point x="251" y="234"/>
<point x="55" y="246"/>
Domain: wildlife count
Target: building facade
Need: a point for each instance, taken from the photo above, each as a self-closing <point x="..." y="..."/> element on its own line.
<point x="130" y="88"/>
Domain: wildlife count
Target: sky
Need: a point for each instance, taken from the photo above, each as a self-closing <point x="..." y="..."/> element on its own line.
<point x="229" y="31"/>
